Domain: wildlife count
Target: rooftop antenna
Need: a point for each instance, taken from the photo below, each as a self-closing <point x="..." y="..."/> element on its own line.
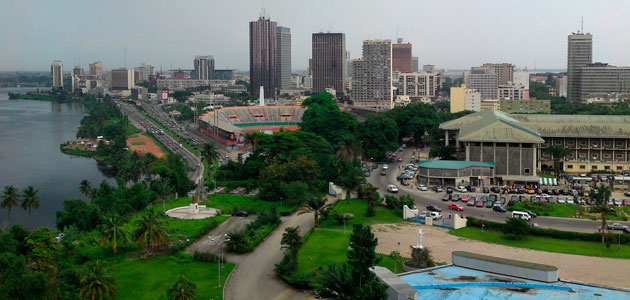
<point x="125" y="57"/>
<point x="582" y="27"/>
<point x="397" y="35"/>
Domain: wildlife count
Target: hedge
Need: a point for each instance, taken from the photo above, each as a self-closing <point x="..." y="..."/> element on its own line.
<point x="547" y="232"/>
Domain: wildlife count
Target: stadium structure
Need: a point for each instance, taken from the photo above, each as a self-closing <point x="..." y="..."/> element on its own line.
<point x="228" y="125"/>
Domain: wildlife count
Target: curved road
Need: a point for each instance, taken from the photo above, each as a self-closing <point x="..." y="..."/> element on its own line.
<point x="422" y="199"/>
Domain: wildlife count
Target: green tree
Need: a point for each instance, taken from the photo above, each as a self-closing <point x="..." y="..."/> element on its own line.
<point x="516" y="228"/>
<point x="337" y="282"/>
<point x="362" y="255"/>
<point x="238" y="242"/>
<point x="114" y="233"/>
<point x="9" y="200"/>
<point x="315" y="205"/>
<point x="443" y="152"/>
<point x="30" y="200"/>
<point x="96" y="284"/>
<point x="347" y="147"/>
<point x="163" y="188"/>
<point x="183" y="289"/>
<point x="600" y="194"/>
<point x="85" y="188"/>
<point x="209" y="151"/>
<point x="395" y="256"/>
<point x="150" y="230"/>
<point x="292" y="241"/>
<point x="558" y="153"/>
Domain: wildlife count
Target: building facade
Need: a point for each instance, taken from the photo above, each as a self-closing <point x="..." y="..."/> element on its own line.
<point x="525" y="106"/>
<point x="418" y="85"/>
<point x="601" y="78"/>
<point x="521" y="79"/>
<point x="203" y="67"/>
<point x="372" y="76"/>
<point x="505" y="72"/>
<point x="579" y="54"/>
<point x="401" y="57"/>
<point x="329" y="62"/>
<point x="463" y="98"/>
<point x="56" y="72"/>
<point x="283" y="59"/>
<point x="511" y="92"/>
<point x="263" y="42"/>
<point x="122" y="79"/>
<point x="181" y="84"/>
<point x="561" y="86"/>
<point x="96" y="69"/>
<point x="144" y="71"/>
<point x="484" y="80"/>
<point x="415" y="64"/>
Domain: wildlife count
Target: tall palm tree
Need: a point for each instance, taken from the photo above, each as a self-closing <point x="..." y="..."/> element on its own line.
<point x="114" y="233"/>
<point x="600" y="195"/>
<point x="209" y="151"/>
<point x="183" y="289"/>
<point x="292" y="241"/>
<point x="314" y="205"/>
<point x="96" y="284"/>
<point x="558" y="153"/>
<point x="85" y="188"/>
<point x="30" y="201"/>
<point x="9" y="199"/>
<point x="347" y="147"/>
<point x="150" y="230"/>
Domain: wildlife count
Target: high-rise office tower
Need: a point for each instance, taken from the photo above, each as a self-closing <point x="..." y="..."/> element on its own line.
<point x="372" y="76"/>
<point x="401" y="57"/>
<point x="484" y="80"/>
<point x="78" y="71"/>
<point x="283" y="59"/>
<point x="97" y="69"/>
<point x="579" y="54"/>
<point x="122" y="79"/>
<point x="56" y="71"/>
<point x="263" y="39"/>
<point x="203" y="67"/>
<point x="329" y="61"/>
<point x="144" y="71"/>
<point x="415" y="64"/>
<point x="505" y="72"/>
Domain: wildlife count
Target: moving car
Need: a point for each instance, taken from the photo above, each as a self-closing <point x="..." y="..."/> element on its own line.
<point x="531" y="213"/>
<point x="433" y="208"/>
<point x="422" y="187"/>
<point x="521" y="215"/>
<point x="616" y="226"/>
<point x="454" y="206"/>
<point x="498" y="208"/>
<point x="392" y="188"/>
<point x="400" y="159"/>
<point x="385" y="167"/>
<point x="240" y="213"/>
<point x="383" y="172"/>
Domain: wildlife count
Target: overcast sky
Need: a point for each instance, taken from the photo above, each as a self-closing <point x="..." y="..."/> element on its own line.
<point x="449" y="34"/>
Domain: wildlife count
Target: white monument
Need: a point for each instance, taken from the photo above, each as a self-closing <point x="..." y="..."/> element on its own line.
<point x="261" y="97"/>
<point x="419" y="246"/>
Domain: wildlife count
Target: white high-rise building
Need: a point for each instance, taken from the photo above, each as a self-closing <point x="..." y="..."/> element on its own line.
<point x="372" y="76"/>
<point x="56" y="71"/>
<point x="204" y="67"/>
<point x="521" y="79"/>
<point x="144" y="71"/>
<point x="283" y="59"/>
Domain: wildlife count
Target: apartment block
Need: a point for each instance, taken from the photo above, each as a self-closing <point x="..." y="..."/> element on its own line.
<point x="372" y="76"/>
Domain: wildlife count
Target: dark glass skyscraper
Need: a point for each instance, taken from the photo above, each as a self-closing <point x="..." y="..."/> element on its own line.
<point x="329" y="61"/>
<point x="263" y="39"/>
<point x="283" y="61"/>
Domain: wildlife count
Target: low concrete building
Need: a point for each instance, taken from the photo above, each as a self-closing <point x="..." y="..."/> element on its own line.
<point x="397" y="289"/>
<point x="526" y="106"/>
<point x="510" y="267"/>
<point x="451" y="172"/>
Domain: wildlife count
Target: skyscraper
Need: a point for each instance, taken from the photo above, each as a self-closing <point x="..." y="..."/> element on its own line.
<point x="77" y="70"/>
<point x="372" y="76"/>
<point x="329" y="61"/>
<point x="505" y="72"/>
<point x="203" y="67"/>
<point x="579" y="54"/>
<point x="401" y="57"/>
<point x="56" y="72"/>
<point x="144" y="71"/>
<point x="484" y="80"/>
<point x="97" y="69"/>
<point x="415" y="64"/>
<point x="263" y="35"/>
<point x="283" y="59"/>
<point x="122" y="79"/>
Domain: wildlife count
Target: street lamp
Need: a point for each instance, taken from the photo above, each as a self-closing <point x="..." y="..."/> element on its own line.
<point x="219" y="241"/>
<point x="482" y="223"/>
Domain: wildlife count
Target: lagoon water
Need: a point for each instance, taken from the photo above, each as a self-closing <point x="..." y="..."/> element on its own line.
<point x="30" y="135"/>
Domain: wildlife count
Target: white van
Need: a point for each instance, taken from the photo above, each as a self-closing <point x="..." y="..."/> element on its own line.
<point x="434" y="215"/>
<point x="521" y="215"/>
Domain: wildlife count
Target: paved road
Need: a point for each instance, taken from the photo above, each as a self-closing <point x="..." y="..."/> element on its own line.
<point x="254" y="276"/>
<point x="205" y="244"/>
<point x="423" y="199"/>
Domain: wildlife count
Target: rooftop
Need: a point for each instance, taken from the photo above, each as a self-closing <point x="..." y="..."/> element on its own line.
<point x="454" y="164"/>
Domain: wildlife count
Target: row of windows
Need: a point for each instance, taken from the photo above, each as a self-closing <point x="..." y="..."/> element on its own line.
<point x="583" y="167"/>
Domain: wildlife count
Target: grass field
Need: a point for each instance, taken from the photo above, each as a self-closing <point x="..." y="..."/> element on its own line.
<point x="150" y="278"/>
<point x="226" y="202"/>
<point x="550" y="209"/>
<point x="138" y="143"/>
<point x="545" y="244"/>
<point x="358" y="208"/>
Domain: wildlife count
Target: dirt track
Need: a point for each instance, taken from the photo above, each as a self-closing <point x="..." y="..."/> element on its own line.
<point x="148" y="147"/>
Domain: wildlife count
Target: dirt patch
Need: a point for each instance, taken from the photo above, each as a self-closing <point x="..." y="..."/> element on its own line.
<point x="144" y="144"/>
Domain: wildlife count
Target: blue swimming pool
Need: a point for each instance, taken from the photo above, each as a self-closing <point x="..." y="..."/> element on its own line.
<point x="454" y="282"/>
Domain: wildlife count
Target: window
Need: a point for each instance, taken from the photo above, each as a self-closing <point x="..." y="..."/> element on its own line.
<point x="569" y="166"/>
<point x="606" y="143"/>
<point x="582" y="155"/>
<point x="619" y="155"/>
<point x="582" y="167"/>
<point x="607" y="167"/>
<point x="527" y="170"/>
<point x="606" y="155"/>
<point x="619" y="168"/>
<point x="594" y="167"/>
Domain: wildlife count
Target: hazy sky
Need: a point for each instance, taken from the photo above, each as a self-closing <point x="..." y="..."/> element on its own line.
<point x="449" y="34"/>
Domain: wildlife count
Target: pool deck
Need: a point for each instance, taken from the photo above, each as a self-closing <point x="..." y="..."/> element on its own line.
<point x="453" y="282"/>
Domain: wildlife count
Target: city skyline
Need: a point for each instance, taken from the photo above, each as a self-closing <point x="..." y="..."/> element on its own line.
<point x="537" y="34"/>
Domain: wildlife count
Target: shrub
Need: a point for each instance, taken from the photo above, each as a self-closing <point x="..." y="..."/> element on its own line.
<point x="343" y="217"/>
<point x="420" y="258"/>
<point x="299" y="280"/>
<point x="516" y="228"/>
<point x="205" y="256"/>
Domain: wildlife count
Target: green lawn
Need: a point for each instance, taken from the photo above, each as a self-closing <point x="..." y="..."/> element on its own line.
<point x="150" y="278"/>
<point x="138" y="143"/>
<point x="545" y="244"/>
<point x="130" y="129"/>
<point x="550" y="209"/>
<point x="358" y="208"/>
<point x="226" y="202"/>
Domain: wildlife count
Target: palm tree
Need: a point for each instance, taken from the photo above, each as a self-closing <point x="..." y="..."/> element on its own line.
<point x="314" y="205"/>
<point x="163" y="188"/>
<point x="114" y="233"/>
<point x="30" y="201"/>
<point x="96" y="284"/>
<point x="9" y="199"/>
<point x="151" y="231"/>
<point x="558" y="153"/>
<point x="183" y="289"/>
<point x="600" y="195"/>
<point x="347" y="147"/>
<point x="85" y="188"/>
<point x="292" y="241"/>
<point x="210" y="151"/>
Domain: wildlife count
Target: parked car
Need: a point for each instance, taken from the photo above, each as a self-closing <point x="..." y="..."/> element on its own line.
<point x="392" y="188"/>
<point x="627" y="194"/>
<point x="240" y="213"/>
<point x="433" y="208"/>
<point x="626" y="202"/>
<point x="529" y="190"/>
<point x="562" y="200"/>
<point x="479" y="203"/>
<point x="617" y="201"/>
<point x="499" y="208"/>
<point x="514" y="198"/>
<point x="485" y="190"/>
<point x="422" y="187"/>
<point x="502" y="200"/>
<point x="570" y="200"/>
<point x="383" y="172"/>
<point x="564" y="192"/>
<point x="465" y="198"/>
<point x="449" y="190"/>
<point x="400" y="159"/>
<point x="626" y="230"/>
<point x="454" y="206"/>
<point x="404" y="182"/>
<point x="532" y="199"/>
<point x="434" y="215"/>
<point x="495" y="189"/>
<point x="616" y="226"/>
<point x="489" y="204"/>
<point x="446" y="197"/>
<point x="461" y="189"/>
<point x="492" y="198"/>
<point x="437" y="189"/>
<point x="472" y="201"/>
<point x="471" y="188"/>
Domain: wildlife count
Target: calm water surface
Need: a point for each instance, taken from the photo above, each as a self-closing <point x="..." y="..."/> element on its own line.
<point x="30" y="135"/>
